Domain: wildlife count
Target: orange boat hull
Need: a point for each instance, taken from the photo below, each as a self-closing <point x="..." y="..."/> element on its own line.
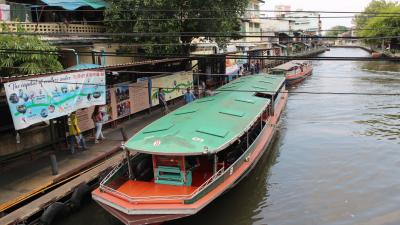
<point x="139" y="219"/>
<point x="130" y="213"/>
<point x="299" y="77"/>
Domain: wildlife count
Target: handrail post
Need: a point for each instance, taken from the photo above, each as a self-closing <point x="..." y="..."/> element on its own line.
<point x="247" y="139"/>
<point x="128" y="156"/>
<point x="273" y="106"/>
<point x="215" y="163"/>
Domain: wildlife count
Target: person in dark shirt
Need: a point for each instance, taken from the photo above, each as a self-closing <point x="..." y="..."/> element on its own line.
<point x="162" y="101"/>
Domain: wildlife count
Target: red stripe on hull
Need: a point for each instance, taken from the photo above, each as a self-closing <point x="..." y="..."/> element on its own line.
<point x="139" y="219"/>
<point x="298" y="77"/>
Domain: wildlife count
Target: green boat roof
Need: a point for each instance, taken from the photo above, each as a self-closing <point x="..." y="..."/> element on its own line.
<point x="209" y="124"/>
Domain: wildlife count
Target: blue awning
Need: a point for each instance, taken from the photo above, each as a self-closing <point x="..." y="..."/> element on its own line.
<point x="83" y="67"/>
<point x="74" y="4"/>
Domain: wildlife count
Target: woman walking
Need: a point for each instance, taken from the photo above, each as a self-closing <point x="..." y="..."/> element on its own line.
<point x="97" y="118"/>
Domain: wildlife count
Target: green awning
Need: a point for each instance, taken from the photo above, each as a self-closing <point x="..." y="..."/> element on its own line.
<point x="96" y="4"/>
<point x="75" y="4"/>
<point x="210" y="124"/>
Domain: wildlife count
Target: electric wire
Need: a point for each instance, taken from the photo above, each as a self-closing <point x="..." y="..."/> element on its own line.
<point x="201" y="56"/>
<point x="178" y="35"/>
<point x="203" y="10"/>
<point x="225" y="89"/>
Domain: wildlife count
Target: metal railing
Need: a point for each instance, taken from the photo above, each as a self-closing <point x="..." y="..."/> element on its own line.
<point x="133" y="199"/>
<point x="220" y="174"/>
<point x="50" y="27"/>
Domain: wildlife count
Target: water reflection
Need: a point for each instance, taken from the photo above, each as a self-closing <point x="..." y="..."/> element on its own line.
<point x="243" y="204"/>
<point x="335" y="160"/>
<point x="381" y="66"/>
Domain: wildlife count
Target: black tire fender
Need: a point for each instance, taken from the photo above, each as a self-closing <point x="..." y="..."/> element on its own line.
<point x="53" y="212"/>
<point x="80" y="193"/>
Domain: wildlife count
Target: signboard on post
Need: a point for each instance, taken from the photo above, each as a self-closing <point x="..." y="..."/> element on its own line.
<point x="43" y="98"/>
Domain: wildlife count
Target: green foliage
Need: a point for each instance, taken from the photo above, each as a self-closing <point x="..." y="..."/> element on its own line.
<point x="382" y="26"/>
<point x="143" y="16"/>
<point x="374" y="6"/>
<point x="17" y="63"/>
<point x="336" y="30"/>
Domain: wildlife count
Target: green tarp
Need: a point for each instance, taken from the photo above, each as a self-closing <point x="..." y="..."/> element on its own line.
<point x="209" y="124"/>
<point x="75" y="4"/>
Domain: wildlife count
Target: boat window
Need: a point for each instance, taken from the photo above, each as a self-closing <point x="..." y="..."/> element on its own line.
<point x="278" y="72"/>
<point x="237" y="149"/>
<point x="262" y="95"/>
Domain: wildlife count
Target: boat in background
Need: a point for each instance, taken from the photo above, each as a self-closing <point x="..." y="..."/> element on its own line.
<point x="180" y="163"/>
<point x="295" y="71"/>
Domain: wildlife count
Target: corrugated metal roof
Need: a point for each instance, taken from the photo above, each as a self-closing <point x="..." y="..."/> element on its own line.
<point x="208" y="125"/>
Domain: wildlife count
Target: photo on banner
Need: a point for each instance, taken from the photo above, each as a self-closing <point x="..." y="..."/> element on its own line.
<point x="107" y="108"/>
<point x="122" y="96"/>
<point x="44" y="98"/>
<point x="173" y="85"/>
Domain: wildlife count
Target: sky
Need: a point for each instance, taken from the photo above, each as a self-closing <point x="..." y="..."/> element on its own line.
<point x="323" y="5"/>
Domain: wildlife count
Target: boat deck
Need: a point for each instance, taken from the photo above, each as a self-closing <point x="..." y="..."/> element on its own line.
<point x="145" y="189"/>
<point x="139" y="189"/>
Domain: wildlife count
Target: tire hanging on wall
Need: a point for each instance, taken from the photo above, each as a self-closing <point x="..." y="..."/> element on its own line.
<point x="80" y="193"/>
<point x="53" y="212"/>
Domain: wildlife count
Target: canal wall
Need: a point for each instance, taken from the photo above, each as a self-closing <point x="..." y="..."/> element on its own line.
<point x="313" y="52"/>
<point x="354" y="46"/>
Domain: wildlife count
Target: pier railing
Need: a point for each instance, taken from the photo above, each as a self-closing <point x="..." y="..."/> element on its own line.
<point x="44" y="28"/>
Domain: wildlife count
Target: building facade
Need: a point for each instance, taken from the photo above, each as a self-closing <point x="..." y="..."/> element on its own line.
<point x="307" y="22"/>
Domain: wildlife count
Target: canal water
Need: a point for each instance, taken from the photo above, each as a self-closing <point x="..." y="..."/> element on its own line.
<point x="335" y="159"/>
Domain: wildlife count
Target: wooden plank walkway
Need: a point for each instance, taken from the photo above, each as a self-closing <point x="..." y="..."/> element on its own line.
<point x="41" y="203"/>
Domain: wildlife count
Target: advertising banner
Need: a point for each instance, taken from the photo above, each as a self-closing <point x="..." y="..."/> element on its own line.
<point x="123" y="103"/>
<point x="231" y="66"/>
<point x="43" y="98"/>
<point x="173" y="85"/>
<point x="139" y="96"/>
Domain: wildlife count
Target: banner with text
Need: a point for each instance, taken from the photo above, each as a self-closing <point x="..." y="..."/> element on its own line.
<point x="174" y="85"/>
<point x="43" y="98"/>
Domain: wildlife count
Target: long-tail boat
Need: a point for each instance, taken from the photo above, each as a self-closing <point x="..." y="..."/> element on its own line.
<point x="180" y="163"/>
<point x="295" y="71"/>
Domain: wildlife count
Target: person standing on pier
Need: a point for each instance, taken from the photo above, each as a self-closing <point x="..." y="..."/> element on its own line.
<point x="162" y="101"/>
<point x="189" y="96"/>
<point x="97" y="118"/>
<point x="75" y="134"/>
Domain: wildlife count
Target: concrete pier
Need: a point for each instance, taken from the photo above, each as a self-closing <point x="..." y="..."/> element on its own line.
<point x="26" y="188"/>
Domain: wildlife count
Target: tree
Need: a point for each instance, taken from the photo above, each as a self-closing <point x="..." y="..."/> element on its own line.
<point x="374" y="6"/>
<point x="388" y="26"/>
<point x="19" y="63"/>
<point x="179" y="21"/>
<point x="336" y="30"/>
